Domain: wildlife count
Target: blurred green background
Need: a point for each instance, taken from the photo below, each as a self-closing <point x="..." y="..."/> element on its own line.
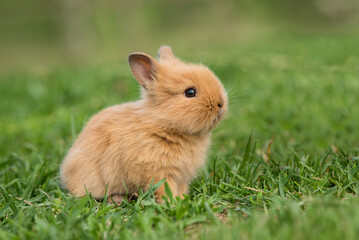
<point x="41" y="34"/>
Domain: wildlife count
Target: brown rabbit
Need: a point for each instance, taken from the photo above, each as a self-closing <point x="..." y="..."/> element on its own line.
<point x="166" y="134"/>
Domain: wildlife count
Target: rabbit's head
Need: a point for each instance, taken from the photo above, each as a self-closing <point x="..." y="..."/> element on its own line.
<point x="183" y="97"/>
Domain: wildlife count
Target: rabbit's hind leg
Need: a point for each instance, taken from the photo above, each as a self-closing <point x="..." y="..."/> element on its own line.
<point x="116" y="198"/>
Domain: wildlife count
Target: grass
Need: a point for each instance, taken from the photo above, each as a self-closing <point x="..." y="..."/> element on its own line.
<point x="283" y="165"/>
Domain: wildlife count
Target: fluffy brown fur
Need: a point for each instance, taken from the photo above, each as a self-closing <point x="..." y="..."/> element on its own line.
<point x="163" y="135"/>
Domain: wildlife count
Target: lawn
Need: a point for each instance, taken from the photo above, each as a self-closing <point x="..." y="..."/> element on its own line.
<point x="284" y="164"/>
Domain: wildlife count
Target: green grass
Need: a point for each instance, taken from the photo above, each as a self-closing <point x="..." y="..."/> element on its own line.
<point x="299" y="93"/>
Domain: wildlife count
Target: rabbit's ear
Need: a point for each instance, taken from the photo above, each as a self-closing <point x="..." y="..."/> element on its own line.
<point x="165" y="53"/>
<point x="143" y="68"/>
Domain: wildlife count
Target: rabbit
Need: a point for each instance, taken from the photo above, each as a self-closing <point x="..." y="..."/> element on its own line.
<point x="164" y="135"/>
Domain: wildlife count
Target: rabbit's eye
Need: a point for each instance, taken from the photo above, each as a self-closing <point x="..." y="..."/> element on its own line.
<point x="190" y="92"/>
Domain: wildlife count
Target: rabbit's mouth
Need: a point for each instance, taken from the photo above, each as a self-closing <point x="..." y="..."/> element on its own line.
<point x="217" y="119"/>
<point x="219" y="115"/>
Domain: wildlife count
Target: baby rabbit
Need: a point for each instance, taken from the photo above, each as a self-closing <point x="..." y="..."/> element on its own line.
<point x="166" y="134"/>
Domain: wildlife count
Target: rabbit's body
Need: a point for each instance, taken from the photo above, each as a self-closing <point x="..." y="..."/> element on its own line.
<point x="107" y="154"/>
<point x="164" y="135"/>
